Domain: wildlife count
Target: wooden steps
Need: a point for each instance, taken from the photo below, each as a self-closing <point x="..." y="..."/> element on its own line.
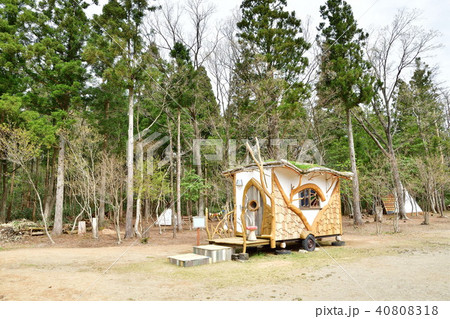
<point x="203" y="255"/>
<point x="215" y="252"/>
<point x="189" y="260"/>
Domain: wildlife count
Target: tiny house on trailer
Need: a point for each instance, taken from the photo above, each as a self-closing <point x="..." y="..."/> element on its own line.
<point x="294" y="202"/>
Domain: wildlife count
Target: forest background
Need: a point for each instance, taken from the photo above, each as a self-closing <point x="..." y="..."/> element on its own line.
<point x="121" y="114"/>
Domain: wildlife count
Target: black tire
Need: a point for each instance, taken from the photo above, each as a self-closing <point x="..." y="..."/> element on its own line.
<point x="282" y="252"/>
<point x="309" y="243"/>
<point x="338" y="243"/>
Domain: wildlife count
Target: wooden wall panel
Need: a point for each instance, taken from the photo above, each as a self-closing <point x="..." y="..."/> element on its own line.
<point x="329" y="219"/>
<point x="288" y="224"/>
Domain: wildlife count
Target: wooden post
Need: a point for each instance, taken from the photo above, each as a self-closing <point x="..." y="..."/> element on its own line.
<point x="198" y="236"/>
<point x="94" y="228"/>
<point x="81" y="227"/>
<point x="378" y="218"/>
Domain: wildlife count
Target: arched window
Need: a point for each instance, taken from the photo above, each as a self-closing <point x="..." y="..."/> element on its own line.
<point x="308" y="198"/>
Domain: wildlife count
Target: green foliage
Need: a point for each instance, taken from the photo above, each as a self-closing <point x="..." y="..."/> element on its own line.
<point x="116" y="45"/>
<point x="9" y="108"/>
<point x="269" y="32"/>
<point x="420" y="114"/>
<point x="64" y="74"/>
<point x="192" y="185"/>
<point x="267" y="90"/>
<point x="17" y="145"/>
<point x="344" y="77"/>
<point x="54" y="58"/>
<point x="14" y="16"/>
<point x="153" y="182"/>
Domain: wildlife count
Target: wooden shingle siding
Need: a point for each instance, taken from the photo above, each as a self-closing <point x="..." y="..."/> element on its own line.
<point x="329" y="219"/>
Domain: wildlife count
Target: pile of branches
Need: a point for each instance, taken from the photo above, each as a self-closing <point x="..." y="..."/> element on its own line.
<point x="8" y="234"/>
<point x="14" y="230"/>
<point x="21" y="224"/>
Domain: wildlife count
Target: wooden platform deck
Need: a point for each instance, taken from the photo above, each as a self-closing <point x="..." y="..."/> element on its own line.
<point x="239" y="241"/>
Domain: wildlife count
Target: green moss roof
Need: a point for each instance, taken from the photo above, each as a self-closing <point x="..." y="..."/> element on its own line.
<point x="304" y="166"/>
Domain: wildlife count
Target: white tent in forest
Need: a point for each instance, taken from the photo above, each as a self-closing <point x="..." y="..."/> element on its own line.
<point x="411" y="205"/>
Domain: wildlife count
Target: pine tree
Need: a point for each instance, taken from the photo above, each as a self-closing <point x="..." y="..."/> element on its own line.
<point x="58" y="75"/>
<point x="272" y="62"/>
<point x="344" y="78"/>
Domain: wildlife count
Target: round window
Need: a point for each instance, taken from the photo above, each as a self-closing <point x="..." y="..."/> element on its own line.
<point x="253" y="205"/>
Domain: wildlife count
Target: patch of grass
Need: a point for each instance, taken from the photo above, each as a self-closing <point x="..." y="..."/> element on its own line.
<point x="266" y="267"/>
<point x="30" y="266"/>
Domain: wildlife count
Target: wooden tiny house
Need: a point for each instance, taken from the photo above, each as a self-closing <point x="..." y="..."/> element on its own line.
<point x="295" y="201"/>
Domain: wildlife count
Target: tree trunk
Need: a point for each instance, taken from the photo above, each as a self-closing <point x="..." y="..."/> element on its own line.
<point x="390" y="154"/>
<point x="81" y="227"/>
<point x="49" y="200"/>
<point x="357" y="218"/>
<point x="145" y="220"/>
<point x="432" y="201"/>
<point x="140" y="163"/>
<point x="197" y="155"/>
<point x="180" y="225"/>
<point x="189" y="212"/>
<point x="47" y="178"/>
<point x="102" y="191"/>
<point x="57" y="225"/>
<point x="378" y="218"/>
<point x="95" y="228"/>
<point x="130" y="196"/>
<point x="102" y="195"/>
<point x="147" y="210"/>
<point x="11" y="193"/>
<point x="397" y="181"/>
<point x="171" y="182"/>
<point x="274" y="136"/>
<point x="4" y="198"/>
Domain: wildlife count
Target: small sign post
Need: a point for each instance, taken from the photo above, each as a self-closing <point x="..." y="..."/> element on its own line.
<point x="198" y="222"/>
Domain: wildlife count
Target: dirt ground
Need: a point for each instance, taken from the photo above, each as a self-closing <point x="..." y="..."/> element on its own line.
<point x="410" y="265"/>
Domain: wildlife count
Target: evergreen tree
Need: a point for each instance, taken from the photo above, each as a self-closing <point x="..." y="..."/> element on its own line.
<point x="58" y="75"/>
<point x="119" y="30"/>
<point x="14" y="17"/>
<point x="344" y="79"/>
<point x="271" y="63"/>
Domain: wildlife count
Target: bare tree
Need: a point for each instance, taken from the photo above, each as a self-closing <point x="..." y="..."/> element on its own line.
<point x="17" y="147"/>
<point x="199" y="14"/>
<point x="434" y="178"/>
<point x="222" y="60"/>
<point x="167" y="26"/>
<point x="394" y="52"/>
<point x="114" y="170"/>
<point x="84" y="175"/>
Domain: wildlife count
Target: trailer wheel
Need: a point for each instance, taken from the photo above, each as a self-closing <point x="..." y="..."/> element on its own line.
<point x="309" y="243"/>
<point x="338" y="243"/>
